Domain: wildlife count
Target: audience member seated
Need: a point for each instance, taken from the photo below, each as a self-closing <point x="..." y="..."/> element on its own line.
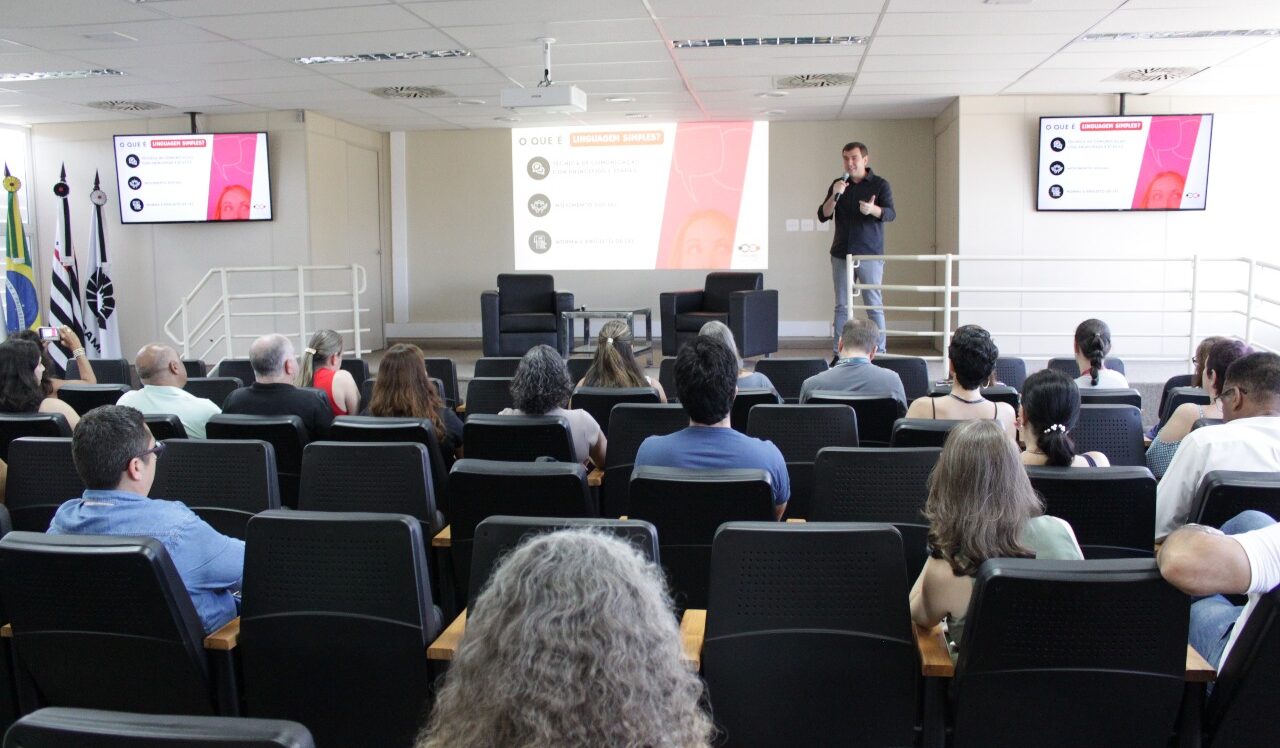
<point x="572" y="642"/>
<point x="1248" y="440"/>
<point x="1092" y="345"/>
<point x="706" y="379"/>
<point x="614" y="363"/>
<point x="404" y="389"/>
<point x="1241" y="558"/>
<point x="747" y="380"/>
<point x="20" y="392"/>
<point x="116" y="457"/>
<point x="273" y="393"/>
<point x="853" y="371"/>
<point x="980" y="506"/>
<point x="1213" y="368"/>
<point x="1050" y="409"/>
<point x="163" y="377"/>
<point x="321" y="367"/>
<point x="541" y="387"/>
<point x="973" y="356"/>
<point x="49" y="381"/>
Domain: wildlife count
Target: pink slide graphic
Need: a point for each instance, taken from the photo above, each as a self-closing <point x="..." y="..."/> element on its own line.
<point x="1171" y="141"/>
<point x="231" y="177"/>
<point x="704" y="192"/>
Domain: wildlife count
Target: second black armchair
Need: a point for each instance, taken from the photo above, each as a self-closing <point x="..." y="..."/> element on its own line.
<point x="523" y="312"/>
<point x="739" y="300"/>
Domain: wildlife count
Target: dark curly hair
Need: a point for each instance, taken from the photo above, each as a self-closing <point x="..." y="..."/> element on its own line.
<point x="541" y="381"/>
<point x="20" y="391"/>
<point x="973" y="354"/>
<point x="706" y="379"/>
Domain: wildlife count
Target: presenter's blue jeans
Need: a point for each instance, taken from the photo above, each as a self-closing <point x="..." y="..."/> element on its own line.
<point x="1213" y="617"/>
<point x="868" y="271"/>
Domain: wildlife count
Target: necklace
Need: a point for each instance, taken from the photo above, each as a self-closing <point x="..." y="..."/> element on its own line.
<point x="980" y="399"/>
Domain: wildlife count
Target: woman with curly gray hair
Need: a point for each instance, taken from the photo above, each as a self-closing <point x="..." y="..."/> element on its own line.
<point x="542" y="386"/>
<point x="572" y="642"/>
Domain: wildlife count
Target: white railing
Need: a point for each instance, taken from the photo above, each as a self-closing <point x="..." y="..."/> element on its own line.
<point x="223" y="305"/>
<point x="1254" y="307"/>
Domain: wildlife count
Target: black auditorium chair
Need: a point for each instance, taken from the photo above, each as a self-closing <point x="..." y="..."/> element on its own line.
<point x="996" y="393"/>
<point x="381" y="477"/>
<point x="488" y="395"/>
<point x="523" y="312"/>
<point x="1112" y="510"/>
<point x="578" y="368"/>
<point x="921" y="432"/>
<point x="876" y="413"/>
<point x="1172" y="398"/>
<point x="805" y="621"/>
<point x="366" y="392"/>
<point x="1113" y="430"/>
<point x="739" y="300"/>
<point x="629" y="425"/>
<point x="196" y="367"/>
<point x="518" y="438"/>
<point x="878" y="485"/>
<point x="335" y="624"/>
<point x="788" y="374"/>
<point x="497" y="366"/>
<point x="240" y="368"/>
<point x="1240" y="710"/>
<point x="386" y="429"/>
<point x="285" y="434"/>
<point x="104" y="622"/>
<point x="215" y="389"/>
<point x="85" y="397"/>
<point x="64" y="727"/>
<point x="1223" y="494"/>
<point x="799" y="432"/>
<point x="747" y="399"/>
<point x="358" y="368"/>
<point x="225" y="481"/>
<point x="105" y="370"/>
<point x="1067" y="365"/>
<point x="687" y="506"/>
<point x="1012" y="371"/>
<point x="1116" y="396"/>
<point x="912" y="370"/>
<point x="1069" y="653"/>
<point x="667" y="378"/>
<point x="600" y="401"/>
<point x="499" y="535"/>
<point x="446" y="371"/>
<point x="1202" y="422"/>
<point x="42" y="476"/>
<point x="485" y="488"/>
<point x="165" y="426"/>
<point x="17" y="425"/>
<point x="1176" y="381"/>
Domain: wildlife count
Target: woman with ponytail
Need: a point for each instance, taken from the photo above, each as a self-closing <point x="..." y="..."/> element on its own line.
<point x="321" y="368"/>
<point x="1093" y="343"/>
<point x="615" y="364"/>
<point x="1050" y="409"/>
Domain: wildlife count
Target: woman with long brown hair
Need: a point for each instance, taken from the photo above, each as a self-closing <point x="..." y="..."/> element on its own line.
<point x="404" y="389"/>
<point x="614" y="363"/>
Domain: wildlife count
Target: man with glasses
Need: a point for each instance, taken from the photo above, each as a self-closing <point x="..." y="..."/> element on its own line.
<point x="1248" y="440"/>
<point x="115" y="456"/>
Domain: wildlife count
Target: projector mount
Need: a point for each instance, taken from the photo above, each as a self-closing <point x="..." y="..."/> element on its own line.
<point x="547" y="41"/>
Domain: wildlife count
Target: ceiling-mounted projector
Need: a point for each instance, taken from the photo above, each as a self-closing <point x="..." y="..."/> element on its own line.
<point x="546" y="98"/>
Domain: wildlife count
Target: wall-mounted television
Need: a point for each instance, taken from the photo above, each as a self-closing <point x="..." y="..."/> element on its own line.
<point x="193" y="177"/>
<point x="1149" y="162"/>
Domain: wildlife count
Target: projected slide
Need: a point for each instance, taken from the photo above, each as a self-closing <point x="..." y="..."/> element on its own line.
<point x="193" y="177"/>
<point x="1124" y="163"/>
<point x="632" y="197"/>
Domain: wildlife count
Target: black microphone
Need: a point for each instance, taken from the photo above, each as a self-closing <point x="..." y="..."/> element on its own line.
<point x="835" y="196"/>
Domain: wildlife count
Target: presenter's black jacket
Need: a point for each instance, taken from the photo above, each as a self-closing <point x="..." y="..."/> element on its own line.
<point x="280" y="399"/>
<point x="855" y="233"/>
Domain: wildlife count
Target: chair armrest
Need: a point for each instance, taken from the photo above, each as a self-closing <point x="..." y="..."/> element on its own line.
<point x="444" y="538"/>
<point x="489" y="323"/>
<point x="447" y="643"/>
<point x="595" y="478"/>
<point x="753" y="319"/>
<point x="1198" y="669"/>
<point x="935" y="658"/>
<point x="564" y="302"/>
<point x="226" y="638"/>
<point x="689" y="300"/>
<point x="693" y="626"/>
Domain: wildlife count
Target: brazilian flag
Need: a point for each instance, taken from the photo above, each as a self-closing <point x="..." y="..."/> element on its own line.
<point x="21" y="302"/>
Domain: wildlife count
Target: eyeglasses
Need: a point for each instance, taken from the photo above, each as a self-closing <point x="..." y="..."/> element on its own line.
<point x="157" y="450"/>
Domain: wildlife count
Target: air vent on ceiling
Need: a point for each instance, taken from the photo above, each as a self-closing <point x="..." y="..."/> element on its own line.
<point x="813" y="80"/>
<point x="120" y="105"/>
<point x="410" y="92"/>
<point x="1153" y="75"/>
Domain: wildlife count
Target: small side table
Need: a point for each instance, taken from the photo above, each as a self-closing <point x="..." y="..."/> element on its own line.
<point x="586" y="315"/>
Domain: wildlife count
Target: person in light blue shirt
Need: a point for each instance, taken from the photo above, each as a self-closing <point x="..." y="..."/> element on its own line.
<point x="163" y="377"/>
<point x="706" y="380"/>
<point x="115" y="456"/>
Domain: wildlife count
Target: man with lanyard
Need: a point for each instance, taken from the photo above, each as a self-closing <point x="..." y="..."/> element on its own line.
<point x="853" y="371"/>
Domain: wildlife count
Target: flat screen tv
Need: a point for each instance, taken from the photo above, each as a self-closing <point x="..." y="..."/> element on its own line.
<point x="193" y="178"/>
<point x="1148" y="162"/>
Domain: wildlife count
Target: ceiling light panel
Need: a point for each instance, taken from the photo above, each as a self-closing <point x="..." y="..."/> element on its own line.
<point x="430" y="54"/>
<point x="59" y="74"/>
<point x="771" y="41"/>
<point x="1127" y="36"/>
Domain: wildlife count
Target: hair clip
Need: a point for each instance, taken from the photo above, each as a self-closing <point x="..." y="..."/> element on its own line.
<point x="609" y="341"/>
<point x="312" y="351"/>
<point x="1055" y="427"/>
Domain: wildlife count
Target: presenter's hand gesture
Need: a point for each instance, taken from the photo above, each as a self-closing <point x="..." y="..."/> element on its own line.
<point x="868" y="207"/>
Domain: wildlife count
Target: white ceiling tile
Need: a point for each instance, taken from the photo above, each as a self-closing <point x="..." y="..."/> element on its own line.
<point x="787" y="66"/>
<point x="312" y="22"/>
<point x="37" y="61"/>
<point x="1118" y="60"/>
<point x="304" y="100"/>
<point x="969" y="44"/>
<point x="932" y="77"/>
<point x="1261" y="15"/>
<point x="843" y="24"/>
<point x="296" y="83"/>
<point x="569" y="54"/>
<point x="598" y="72"/>
<point x="221" y="71"/>
<point x="1076" y="81"/>
<point x="646" y="85"/>
<point x="525" y="35"/>
<point x="22" y="14"/>
<point x="685" y="9"/>
<point x="203" y="54"/>
<point x="498" y="12"/>
<point x="361" y="78"/>
<point x="1038" y="6"/>
<point x="189" y="8"/>
<point x="996" y="22"/>
<point x="1223" y="44"/>
<point x="144" y="33"/>
<point x="407" y="40"/>
<point x="885" y="63"/>
<point x="929" y="89"/>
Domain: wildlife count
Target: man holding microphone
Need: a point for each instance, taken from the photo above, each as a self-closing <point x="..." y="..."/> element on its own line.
<point x="861" y="203"/>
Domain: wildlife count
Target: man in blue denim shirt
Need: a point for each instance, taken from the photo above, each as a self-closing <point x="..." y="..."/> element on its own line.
<point x="116" y="457"/>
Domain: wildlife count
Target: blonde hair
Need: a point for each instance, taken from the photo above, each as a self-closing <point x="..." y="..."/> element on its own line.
<point x="614" y="364"/>
<point x="324" y="343"/>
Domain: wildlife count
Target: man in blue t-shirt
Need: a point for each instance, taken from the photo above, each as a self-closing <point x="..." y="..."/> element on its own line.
<point x="707" y="380"/>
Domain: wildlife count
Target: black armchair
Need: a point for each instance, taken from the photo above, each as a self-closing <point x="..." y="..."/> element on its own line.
<point x="739" y="300"/>
<point x="523" y="312"/>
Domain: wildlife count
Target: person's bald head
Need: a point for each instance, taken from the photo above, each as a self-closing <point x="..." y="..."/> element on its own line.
<point x="272" y="359"/>
<point x="159" y="364"/>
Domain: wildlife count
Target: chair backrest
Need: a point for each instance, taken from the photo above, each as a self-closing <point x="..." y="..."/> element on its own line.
<point x="497" y="366"/>
<point x="17" y="425"/>
<point x="817" y="609"/>
<point x="1111" y="509"/>
<point x="488" y="395"/>
<point x="524" y="293"/>
<point x="1171" y="399"/>
<point x="61" y="727"/>
<point x="1012" y="371"/>
<point x="687" y="506"/>
<point x="996" y="393"/>
<point x="165" y="426"/>
<point x="629" y="425"/>
<point x="342" y="599"/>
<point x="1202" y="422"/>
<point x="747" y="399"/>
<point x="105" y="370"/>
<point x="85" y="397"/>
<point x="240" y="368"/>
<point x="446" y="371"/>
<point x="1117" y="396"/>
<point x="600" y="401"/>
<point x="1238" y="712"/>
<point x="799" y="432"/>
<point x="358" y="368"/>
<point x="1175" y="381"/>
<point x="196" y="367"/>
<point x="912" y="370"/>
<point x="1113" y="430"/>
<point x="285" y="434"/>
<point x="877" y="485"/>
<point x="667" y="378"/>
<point x="1067" y="365"/>
<point x="876" y="413"/>
<point x="213" y="388"/>
<point x="1223" y="494"/>
<point x="383" y="429"/>
<point x="225" y="481"/>
<point x="578" y="368"/>
<point x="497" y="536"/>
<point x="788" y="374"/>
<point x="921" y="432"/>
<point x="379" y="477"/>
<point x="1076" y="650"/>
<point x="103" y="622"/>
<point x="518" y="438"/>
<point x="42" y="475"/>
<point x="719" y="286"/>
